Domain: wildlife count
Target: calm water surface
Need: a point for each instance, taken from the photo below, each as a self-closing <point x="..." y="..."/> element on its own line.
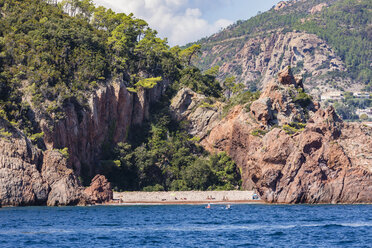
<point x="188" y="226"/>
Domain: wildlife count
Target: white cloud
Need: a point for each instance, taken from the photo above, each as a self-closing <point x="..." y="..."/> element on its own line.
<point x="181" y="21"/>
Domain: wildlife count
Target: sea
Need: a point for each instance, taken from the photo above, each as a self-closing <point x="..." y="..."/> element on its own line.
<point x="188" y="226"/>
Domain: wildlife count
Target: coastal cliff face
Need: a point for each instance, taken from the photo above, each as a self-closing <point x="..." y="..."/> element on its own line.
<point x="112" y="111"/>
<point x="291" y="151"/>
<point x="30" y="176"/>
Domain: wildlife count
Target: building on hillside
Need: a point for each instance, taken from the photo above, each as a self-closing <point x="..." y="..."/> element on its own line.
<point x="363" y="95"/>
<point x="332" y="95"/>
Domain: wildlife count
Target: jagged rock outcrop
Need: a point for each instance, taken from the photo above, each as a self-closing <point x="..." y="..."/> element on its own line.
<point x="99" y="190"/>
<point x="201" y="115"/>
<point x="65" y="188"/>
<point x="318" y="8"/>
<point x="29" y="176"/>
<point x="328" y="161"/>
<point x="112" y="110"/>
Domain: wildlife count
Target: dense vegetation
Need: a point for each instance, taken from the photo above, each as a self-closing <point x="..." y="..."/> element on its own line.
<point x="56" y="54"/>
<point x="345" y="25"/>
<point x="50" y="58"/>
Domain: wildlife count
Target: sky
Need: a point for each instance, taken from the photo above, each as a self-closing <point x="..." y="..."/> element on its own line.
<point x="184" y="21"/>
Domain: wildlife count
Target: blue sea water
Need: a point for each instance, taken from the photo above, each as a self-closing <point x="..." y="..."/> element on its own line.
<point x="188" y="226"/>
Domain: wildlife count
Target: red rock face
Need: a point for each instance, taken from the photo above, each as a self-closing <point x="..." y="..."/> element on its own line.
<point x="326" y="162"/>
<point x="99" y="190"/>
<point x="112" y="110"/>
<point x="29" y="176"/>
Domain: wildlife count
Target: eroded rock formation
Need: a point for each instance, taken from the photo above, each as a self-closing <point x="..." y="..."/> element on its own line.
<point x="99" y="190"/>
<point x="326" y="161"/>
<point x="112" y="110"/>
<point x="200" y="115"/>
<point x="29" y="176"/>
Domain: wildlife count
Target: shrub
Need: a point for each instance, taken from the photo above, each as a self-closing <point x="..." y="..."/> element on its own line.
<point x="302" y="98"/>
<point x="35" y="137"/>
<point x="148" y="83"/>
<point x="294" y="127"/>
<point x="64" y="152"/>
<point x="207" y="105"/>
<point x="258" y="132"/>
<point x="4" y="133"/>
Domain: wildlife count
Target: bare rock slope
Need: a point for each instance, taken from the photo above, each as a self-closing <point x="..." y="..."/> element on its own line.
<point x="260" y="59"/>
<point x="291" y="151"/>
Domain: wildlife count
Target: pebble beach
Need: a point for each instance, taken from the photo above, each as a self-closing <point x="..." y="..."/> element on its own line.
<point x="185" y="197"/>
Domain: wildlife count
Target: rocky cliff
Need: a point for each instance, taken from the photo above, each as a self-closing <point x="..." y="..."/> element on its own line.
<point x="112" y="111"/>
<point x="291" y="151"/>
<point x="31" y="176"/>
<point x="197" y="111"/>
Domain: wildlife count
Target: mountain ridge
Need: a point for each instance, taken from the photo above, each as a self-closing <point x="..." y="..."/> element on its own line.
<point x="343" y="26"/>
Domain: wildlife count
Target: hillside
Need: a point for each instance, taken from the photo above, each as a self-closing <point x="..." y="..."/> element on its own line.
<point x="85" y="91"/>
<point x="329" y="42"/>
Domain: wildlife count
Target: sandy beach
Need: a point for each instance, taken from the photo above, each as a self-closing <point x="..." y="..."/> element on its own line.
<point x="184" y="197"/>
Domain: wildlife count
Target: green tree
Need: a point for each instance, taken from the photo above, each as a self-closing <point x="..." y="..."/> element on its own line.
<point x="189" y="53"/>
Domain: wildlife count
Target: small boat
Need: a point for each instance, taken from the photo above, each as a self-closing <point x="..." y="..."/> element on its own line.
<point x="228" y="207"/>
<point x="208" y="206"/>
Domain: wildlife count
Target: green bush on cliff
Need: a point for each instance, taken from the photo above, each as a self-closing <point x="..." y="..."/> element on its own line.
<point x="258" y="132"/>
<point x="294" y="127"/>
<point x="5" y="134"/>
<point x="35" y="137"/>
<point x="148" y="83"/>
<point x="302" y="98"/>
<point x="64" y="152"/>
<point x="205" y="84"/>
